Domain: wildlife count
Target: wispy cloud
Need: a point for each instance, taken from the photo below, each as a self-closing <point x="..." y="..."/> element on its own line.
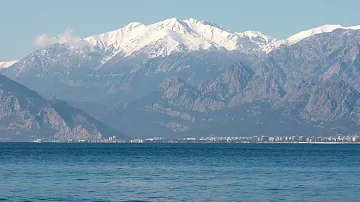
<point x="63" y="38"/>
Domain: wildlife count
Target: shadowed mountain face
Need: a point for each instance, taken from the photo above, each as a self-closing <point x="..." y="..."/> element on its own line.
<point x="323" y="102"/>
<point x="241" y="103"/>
<point x="25" y="115"/>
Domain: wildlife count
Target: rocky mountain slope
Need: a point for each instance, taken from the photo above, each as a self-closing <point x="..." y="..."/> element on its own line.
<point x="329" y="56"/>
<point x="25" y="115"/>
<point x="241" y="103"/>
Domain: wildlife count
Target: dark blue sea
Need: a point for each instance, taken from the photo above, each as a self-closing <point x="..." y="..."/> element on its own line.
<point x="179" y="172"/>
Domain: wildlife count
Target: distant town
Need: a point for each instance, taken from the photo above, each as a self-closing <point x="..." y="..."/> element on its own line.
<point x="350" y="139"/>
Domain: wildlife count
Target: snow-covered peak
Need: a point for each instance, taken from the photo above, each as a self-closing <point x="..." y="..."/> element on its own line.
<point x="204" y="22"/>
<point x="172" y="24"/>
<point x="311" y="32"/>
<point x="228" y="39"/>
<point x="256" y="36"/>
<point x="215" y="34"/>
<point x="133" y="25"/>
<point x="305" y="34"/>
<point x="114" y="40"/>
<point x="174" y="35"/>
<point x="4" y="65"/>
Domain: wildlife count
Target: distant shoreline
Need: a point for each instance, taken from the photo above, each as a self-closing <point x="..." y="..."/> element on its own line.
<point x="322" y="143"/>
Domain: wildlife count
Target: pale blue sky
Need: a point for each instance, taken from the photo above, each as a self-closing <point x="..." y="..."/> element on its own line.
<point x="22" y="20"/>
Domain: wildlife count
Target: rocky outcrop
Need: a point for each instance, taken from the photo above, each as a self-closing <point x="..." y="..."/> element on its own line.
<point x="322" y="101"/>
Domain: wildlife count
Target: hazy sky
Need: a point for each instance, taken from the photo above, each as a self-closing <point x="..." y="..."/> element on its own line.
<point x="22" y="20"/>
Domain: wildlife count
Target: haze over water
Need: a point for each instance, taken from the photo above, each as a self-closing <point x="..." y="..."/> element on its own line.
<point x="179" y="172"/>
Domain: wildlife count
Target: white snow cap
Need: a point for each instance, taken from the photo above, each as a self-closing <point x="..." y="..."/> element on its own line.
<point x="174" y="35"/>
<point x="318" y="30"/>
<point x="305" y="34"/>
<point x="4" y="65"/>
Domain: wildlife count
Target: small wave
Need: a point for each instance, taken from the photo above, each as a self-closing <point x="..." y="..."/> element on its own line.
<point x="81" y="179"/>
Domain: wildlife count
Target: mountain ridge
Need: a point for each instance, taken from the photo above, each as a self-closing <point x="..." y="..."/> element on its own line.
<point x="194" y="34"/>
<point x="110" y="40"/>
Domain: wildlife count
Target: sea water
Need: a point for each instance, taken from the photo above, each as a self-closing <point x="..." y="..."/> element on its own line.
<point x="179" y="172"/>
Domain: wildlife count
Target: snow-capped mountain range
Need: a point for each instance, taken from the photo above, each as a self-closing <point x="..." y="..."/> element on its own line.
<point x="312" y="76"/>
<point x="174" y="35"/>
<point x="307" y="33"/>
<point x="123" y="59"/>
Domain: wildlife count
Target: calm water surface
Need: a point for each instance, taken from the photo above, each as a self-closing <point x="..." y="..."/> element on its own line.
<point x="179" y="172"/>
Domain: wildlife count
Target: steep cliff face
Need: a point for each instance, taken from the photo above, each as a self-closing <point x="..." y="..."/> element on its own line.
<point x="322" y="101"/>
<point x="25" y="115"/>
